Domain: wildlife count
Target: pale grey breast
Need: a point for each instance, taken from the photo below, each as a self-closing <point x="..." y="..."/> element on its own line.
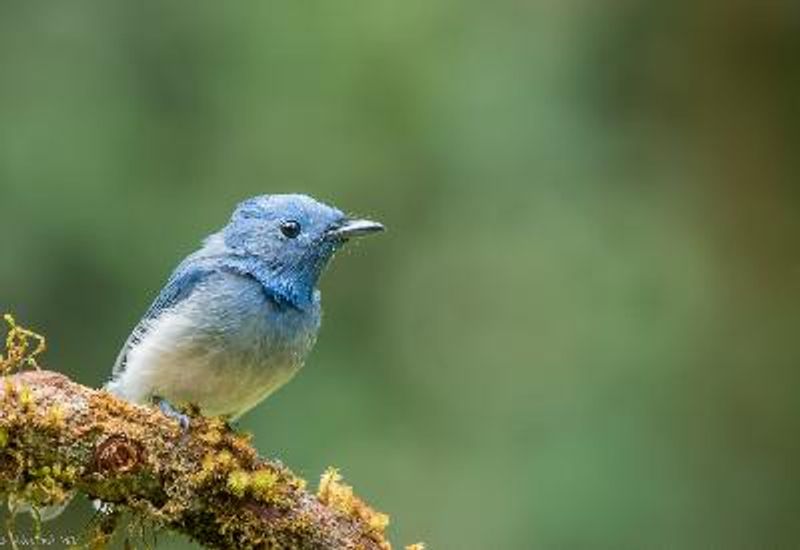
<point x="225" y="348"/>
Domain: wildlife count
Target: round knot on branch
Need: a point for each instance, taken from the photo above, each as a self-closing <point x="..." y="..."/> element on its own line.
<point x="119" y="454"/>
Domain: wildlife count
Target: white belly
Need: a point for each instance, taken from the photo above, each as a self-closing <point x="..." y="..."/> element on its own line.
<point x="225" y="370"/>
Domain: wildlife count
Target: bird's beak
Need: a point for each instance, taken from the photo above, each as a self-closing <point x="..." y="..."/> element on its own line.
<point x="355" y="228"/>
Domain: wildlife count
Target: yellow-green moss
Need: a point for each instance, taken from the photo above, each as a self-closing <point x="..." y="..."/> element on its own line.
<point x="339" y="496"/>
<point x="263" y="484"/>
<point x="238" y="482"/>
<point x="224" y="459"/>
<point x="25" y="398"/>
<point x="334" y="493"/>
<point x="55" y="417"/>
<point x="213" y="432"/>
<point x="18" y="353"/>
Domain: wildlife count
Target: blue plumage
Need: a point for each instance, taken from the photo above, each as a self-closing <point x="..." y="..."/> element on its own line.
<point x="237" y="317"/>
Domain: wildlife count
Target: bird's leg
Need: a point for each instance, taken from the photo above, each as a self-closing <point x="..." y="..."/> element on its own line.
<point x="171" y="412"/>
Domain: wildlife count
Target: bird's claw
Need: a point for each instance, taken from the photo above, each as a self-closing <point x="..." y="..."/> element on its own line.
<point x="171" y="412"/>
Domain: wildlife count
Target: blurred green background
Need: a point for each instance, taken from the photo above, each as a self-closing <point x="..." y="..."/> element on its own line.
<point x="581" y="330"/>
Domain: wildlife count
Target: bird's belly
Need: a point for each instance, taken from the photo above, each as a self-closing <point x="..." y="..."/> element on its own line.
<point x="221" y="383"/>
<point x="223" y="371"/>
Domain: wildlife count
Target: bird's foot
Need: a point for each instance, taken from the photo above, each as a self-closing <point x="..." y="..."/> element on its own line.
<point x="171" y="412"/>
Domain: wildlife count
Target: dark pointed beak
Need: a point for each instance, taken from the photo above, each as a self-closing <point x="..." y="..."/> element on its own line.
<point x="355" y="228"/>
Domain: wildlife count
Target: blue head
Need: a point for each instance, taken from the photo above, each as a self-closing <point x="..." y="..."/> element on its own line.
<point x="290" y="238"/>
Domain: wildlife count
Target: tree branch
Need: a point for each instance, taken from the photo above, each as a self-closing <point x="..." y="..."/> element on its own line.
<point x="57" y="436"/>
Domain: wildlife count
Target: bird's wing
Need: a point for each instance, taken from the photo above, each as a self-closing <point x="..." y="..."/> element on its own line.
<point x="179" y="287"/>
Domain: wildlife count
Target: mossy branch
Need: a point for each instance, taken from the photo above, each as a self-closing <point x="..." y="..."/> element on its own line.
<point x="57" y="436"/>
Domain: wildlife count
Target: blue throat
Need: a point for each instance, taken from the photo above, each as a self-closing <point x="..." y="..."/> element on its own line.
<point x="291" y="290"/>
<point x="287" y="288"/>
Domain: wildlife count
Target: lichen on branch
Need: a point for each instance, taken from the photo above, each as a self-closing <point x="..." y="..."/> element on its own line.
<point x="57" y="437"/>
<point x="18" y="353"/>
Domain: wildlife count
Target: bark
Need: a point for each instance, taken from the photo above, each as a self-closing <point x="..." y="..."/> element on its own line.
<point x="208" y="482"/>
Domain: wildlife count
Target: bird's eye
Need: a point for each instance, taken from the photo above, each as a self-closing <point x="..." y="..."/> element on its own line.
<point x="290" y="228"/>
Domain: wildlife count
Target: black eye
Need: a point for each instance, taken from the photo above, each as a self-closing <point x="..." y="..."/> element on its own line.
<point x="290" y="229"/>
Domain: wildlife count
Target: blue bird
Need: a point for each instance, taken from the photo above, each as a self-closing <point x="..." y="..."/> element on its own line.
<point x="237" y="317"/>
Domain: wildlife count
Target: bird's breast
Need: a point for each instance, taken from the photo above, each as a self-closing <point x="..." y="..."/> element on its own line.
<point x="225" y="349"/>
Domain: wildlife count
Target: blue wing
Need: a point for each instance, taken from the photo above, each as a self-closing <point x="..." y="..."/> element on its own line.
<point x="178" y="288"/>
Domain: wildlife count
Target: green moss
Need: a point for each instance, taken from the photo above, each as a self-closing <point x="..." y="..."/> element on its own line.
<point x="25" y="398"/>
<point x="18" y="347"/>
<point x="263" y="484"/>
<point x="55" y="417"/>
<point x="238" y="482"/>
<point x="224" y="459"/>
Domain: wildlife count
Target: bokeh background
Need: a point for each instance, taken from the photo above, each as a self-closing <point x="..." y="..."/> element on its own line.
<point x="581" y="330"/>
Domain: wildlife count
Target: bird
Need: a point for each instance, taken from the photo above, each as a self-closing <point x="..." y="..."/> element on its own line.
<point x="237" y="318"/>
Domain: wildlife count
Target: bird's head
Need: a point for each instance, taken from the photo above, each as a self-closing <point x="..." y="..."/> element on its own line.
<point x="291" y="237"/>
